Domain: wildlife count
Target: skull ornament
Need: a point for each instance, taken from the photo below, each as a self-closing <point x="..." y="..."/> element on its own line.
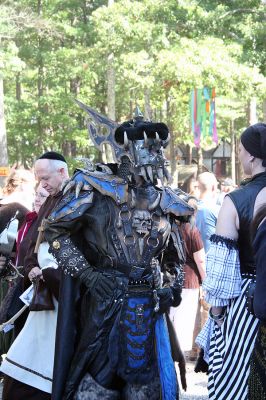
<point x="141" y="221"/>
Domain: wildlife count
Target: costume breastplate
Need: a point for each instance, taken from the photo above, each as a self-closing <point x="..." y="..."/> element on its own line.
<point x="141" y="227"/>
<point x="244" y="200"/>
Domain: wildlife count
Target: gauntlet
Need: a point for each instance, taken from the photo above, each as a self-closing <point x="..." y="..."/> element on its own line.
<point x="168" y="297"/>
<point x="73" y="263"/>
<point x="171" y="296"/>
<point x="99" y="285"/>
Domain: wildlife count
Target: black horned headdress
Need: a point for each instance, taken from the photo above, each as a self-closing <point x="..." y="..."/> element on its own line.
<point x="141" y="141"/>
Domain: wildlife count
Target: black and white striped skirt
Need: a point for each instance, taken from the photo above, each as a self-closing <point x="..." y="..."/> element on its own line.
<point x="230" y="350"/>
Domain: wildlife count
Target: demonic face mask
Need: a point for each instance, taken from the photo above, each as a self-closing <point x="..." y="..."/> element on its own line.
<point x="148" y="159"/>
<point x="142" y="142"/>
<point x="141" y="221"/>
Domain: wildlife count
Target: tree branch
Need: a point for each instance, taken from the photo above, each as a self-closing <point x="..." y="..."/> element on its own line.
<point x="242" y="11"/>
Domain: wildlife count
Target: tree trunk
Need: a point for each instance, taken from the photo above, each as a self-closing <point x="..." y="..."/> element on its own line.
<point x="233" y="152"/>
<point x="252" y="111"/>
<point x="18" y="87"/>
<point x="111" y="87"/>
<point x="172" y="143"/>
<point x="200" y="160"/>
<point x="107" y="153"/>
<point x="147" y="109"/>
<point x="239" y="168"/>
<point x="264" y="110"/>
<point x="69" y="148"/>
<point x="19" y="152"/>
<point x="189" y="155"/>
<point x="3" y="139"/>
<point x="40" y="94"/>
<point x="40" y="85"/>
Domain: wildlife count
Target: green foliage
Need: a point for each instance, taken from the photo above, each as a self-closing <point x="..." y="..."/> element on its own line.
<point x="54" y="51"/>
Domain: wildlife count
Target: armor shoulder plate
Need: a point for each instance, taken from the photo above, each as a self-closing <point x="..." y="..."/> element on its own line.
<point x="77" y="197"/>
<point x="109" y="185"/>
<point x="78" y="193"/>
<point x="171" y="203"/>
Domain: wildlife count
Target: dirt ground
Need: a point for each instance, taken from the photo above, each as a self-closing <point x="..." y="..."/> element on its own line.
<point x="196" y="385"/>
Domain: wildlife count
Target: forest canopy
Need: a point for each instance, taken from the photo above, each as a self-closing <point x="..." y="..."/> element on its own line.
<point x="150" y="52"/>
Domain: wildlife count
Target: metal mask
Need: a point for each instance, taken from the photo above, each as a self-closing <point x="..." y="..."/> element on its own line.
<point x="142" y="142"/>
<point x="148" y="158"/>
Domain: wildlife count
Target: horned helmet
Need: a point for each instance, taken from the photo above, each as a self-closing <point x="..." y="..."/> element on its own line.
<point x="136" y="142"/>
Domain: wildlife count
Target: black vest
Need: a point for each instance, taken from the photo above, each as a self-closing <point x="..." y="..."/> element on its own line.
<point x="244" y="200"/>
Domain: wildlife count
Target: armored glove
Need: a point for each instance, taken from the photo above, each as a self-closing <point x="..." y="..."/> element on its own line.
<point x="73" y="263"/>
<point x="168" y="297"/>
<point x="171" y="296"/>
<point x="99" y="285"/>
<point x="177" y="286"/>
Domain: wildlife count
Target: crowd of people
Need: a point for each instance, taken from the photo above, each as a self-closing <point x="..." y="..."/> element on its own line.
<point x="123" y="276"/>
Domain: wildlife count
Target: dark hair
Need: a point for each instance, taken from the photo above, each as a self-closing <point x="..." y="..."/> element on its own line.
<point x="260" y="215"/>
<point x="186" y="184"/>
<point x="254" y="141"/>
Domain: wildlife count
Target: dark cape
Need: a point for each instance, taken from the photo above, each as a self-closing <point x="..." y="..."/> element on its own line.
<point x="257" y="378"/>
<point x="259" y="295"/>
<point x="65" y="344"/>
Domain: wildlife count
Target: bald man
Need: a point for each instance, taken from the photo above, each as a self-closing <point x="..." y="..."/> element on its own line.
<point x="208" y="210"/>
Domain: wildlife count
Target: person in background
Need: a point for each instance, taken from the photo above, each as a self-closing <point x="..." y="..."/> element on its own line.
<point x="18" y="195"/>
<point x="28" y="365"/>
<point x="194" y="270"/>
<point x="51" y="172"/>
<point x="227" y="186"/>
<point x="19" y="188"/>
<point x="191" y="186"/>
<point x="29" y="373"/>
<point x="257" y="378"/>
<point x="16" y="202"/>
<point x="229" y="334"/>
<point x="207" y="208"/>
<point x="12" y="303"/>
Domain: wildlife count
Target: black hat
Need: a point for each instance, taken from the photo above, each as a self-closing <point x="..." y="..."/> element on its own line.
<point x="254" y="141"/>
<point x="52" y="155"/>
<point x="135" y="130"/>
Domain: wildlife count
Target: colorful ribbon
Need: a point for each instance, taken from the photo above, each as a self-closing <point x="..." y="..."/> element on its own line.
<point x="202" y="114"/>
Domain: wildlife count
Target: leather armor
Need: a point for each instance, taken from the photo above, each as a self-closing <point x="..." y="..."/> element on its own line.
<point x="116" y="239"/>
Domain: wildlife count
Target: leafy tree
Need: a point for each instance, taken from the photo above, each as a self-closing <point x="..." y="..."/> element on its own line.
<point x="161" y="50"/>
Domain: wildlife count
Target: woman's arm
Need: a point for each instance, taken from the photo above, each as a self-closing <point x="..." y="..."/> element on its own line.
<point x="199" y="258"/>
<point x="227" y="227"/>
<point x="228" y="221"/>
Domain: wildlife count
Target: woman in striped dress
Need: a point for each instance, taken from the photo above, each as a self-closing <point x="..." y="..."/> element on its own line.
<point x="229" y="334"/>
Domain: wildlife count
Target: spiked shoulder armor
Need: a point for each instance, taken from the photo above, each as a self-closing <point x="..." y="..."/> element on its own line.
<point x="171" y="203"/>
<point x="79" y="190"/>
<point x="109" y="185"/>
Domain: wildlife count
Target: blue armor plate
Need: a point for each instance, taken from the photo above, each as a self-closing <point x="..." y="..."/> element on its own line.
<point x="132" y="342"/>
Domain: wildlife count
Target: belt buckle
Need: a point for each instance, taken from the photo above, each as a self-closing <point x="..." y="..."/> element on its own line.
<point x="136" y="272"/>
